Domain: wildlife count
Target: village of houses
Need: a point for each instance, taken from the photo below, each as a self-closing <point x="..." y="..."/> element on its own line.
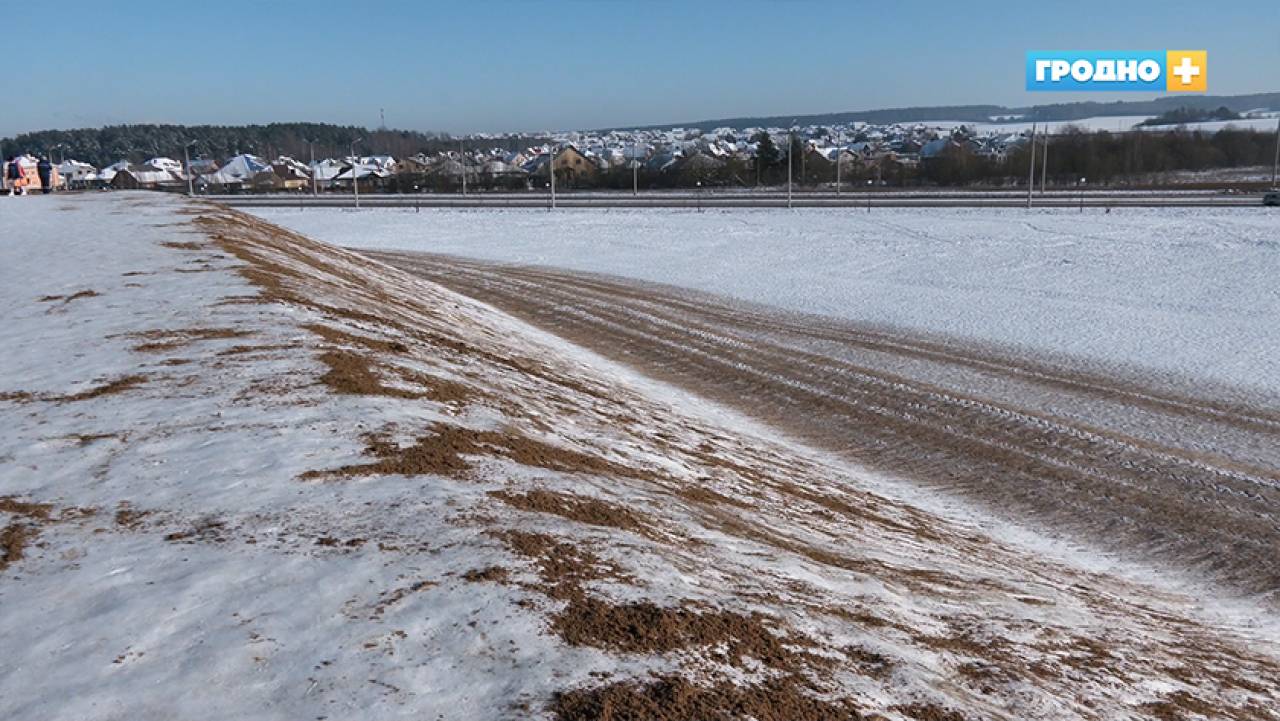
<point x="674" y="157"/>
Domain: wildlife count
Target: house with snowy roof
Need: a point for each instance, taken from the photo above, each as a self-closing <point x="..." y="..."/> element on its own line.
<point x="243" y="172"/>
<point x="146" y="177"/>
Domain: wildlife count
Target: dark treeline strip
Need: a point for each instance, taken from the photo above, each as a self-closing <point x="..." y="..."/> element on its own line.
<point x="136" y="143"/>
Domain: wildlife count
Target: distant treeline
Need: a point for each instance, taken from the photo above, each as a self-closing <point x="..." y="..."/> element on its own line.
<point x="1184" y="115"/>
<point x="104" y="146"/>
<point x="983" y="113"/>
<point x="1110" y="158"/>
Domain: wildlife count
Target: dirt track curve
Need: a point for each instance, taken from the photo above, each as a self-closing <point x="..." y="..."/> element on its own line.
<point x="1150" y="472"/>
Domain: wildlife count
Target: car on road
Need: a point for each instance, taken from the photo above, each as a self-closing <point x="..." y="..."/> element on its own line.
<point x="1272" y="198"/>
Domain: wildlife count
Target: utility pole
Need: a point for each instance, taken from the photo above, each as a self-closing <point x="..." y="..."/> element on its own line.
<point x="311" y="148"/>
<point x="551" y="170"/>
<point x="1031" y="175"/>
<point x="791" y="144"/>
<point x="635" y="170"/>
<point x="186" y="158"/>
<point x="1276" y="165"/>
<point x="355" y="181"/>
<point x="1044" y="159"/>
<point x="462" y="161"/>
<point x="839" y="137"/>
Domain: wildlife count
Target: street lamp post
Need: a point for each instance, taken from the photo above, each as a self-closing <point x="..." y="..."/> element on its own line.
<point x="186" y="157"/>
<point x="1276" y="165"/>
<point x="1044" y="160"/>
<point x="791" y="144"/>
<point x="839" y="137"/>
<point x="355" y="181"/>
<point x="551" y="170"/>
<point x="462" y="162"/>
<point x="1031" y="174"/>
<point x="311" y="149"/>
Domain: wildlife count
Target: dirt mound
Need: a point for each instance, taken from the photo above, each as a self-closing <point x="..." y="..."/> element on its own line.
<point x="676" y="699"/>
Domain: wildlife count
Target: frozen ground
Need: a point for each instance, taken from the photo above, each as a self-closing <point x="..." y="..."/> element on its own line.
<point x="246" y="475"/>
<point x="1172" y="296"/>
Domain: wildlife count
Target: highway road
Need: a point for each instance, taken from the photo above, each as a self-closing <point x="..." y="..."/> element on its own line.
<point x="721" y="199"/>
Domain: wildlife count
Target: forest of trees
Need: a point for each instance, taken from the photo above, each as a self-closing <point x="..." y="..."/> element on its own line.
<point x="1105" y="158"/>
<point x="104" y="146"/>
<point x="1184" y="115"/>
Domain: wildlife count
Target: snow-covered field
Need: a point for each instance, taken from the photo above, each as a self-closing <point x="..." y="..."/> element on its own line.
<point x="1113" y="123"/>
<point x="1117" y="123"/>
<point x="247" y="475"/>
<point x="1187" y="296"/>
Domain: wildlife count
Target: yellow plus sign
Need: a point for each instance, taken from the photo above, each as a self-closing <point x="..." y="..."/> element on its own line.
<point x="1186" y="71"/>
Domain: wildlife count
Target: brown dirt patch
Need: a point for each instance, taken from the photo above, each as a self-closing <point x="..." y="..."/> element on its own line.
<point x="37" y="511"/>
<point x="247" y="349"/>
<point x="208" y="529"/>
<point x="118" y="385"/>
<point x="491" y="574"/>
<point x="390" y="598"/>
<point x="13" y="541"/>
<point x="868" y="662"/>
<point x="17" y="535"/>
<point x="644" y="627"/>
<point x="17" y="397"/>
<point x="86" y="293"/>
<point x="704" y="496"/>
<point x="340" y="337"/>
<point x="441" y="452"/>
<point x="928" y="712"/>
<point x="166" y="340"/>
<point x="670" y="698"/>
<point x="562" y="566"/>
<point x="177" y="245"/>
<point x="130" y="518"/>
<point x="353" y="374"/>
<point x="591" y="511"/>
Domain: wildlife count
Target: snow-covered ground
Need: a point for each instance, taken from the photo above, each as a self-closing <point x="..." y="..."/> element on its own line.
<point x="247" y="475"/>
<point x="1116" y="123"/>
<point x="1113" y="123"/>
<point x="1170" y="295"/>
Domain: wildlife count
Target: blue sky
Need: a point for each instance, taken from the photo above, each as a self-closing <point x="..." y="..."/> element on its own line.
<point x="479" y="65"/>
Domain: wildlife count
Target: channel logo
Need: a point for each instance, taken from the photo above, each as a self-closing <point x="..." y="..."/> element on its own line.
<point x="1174" y="71"/>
